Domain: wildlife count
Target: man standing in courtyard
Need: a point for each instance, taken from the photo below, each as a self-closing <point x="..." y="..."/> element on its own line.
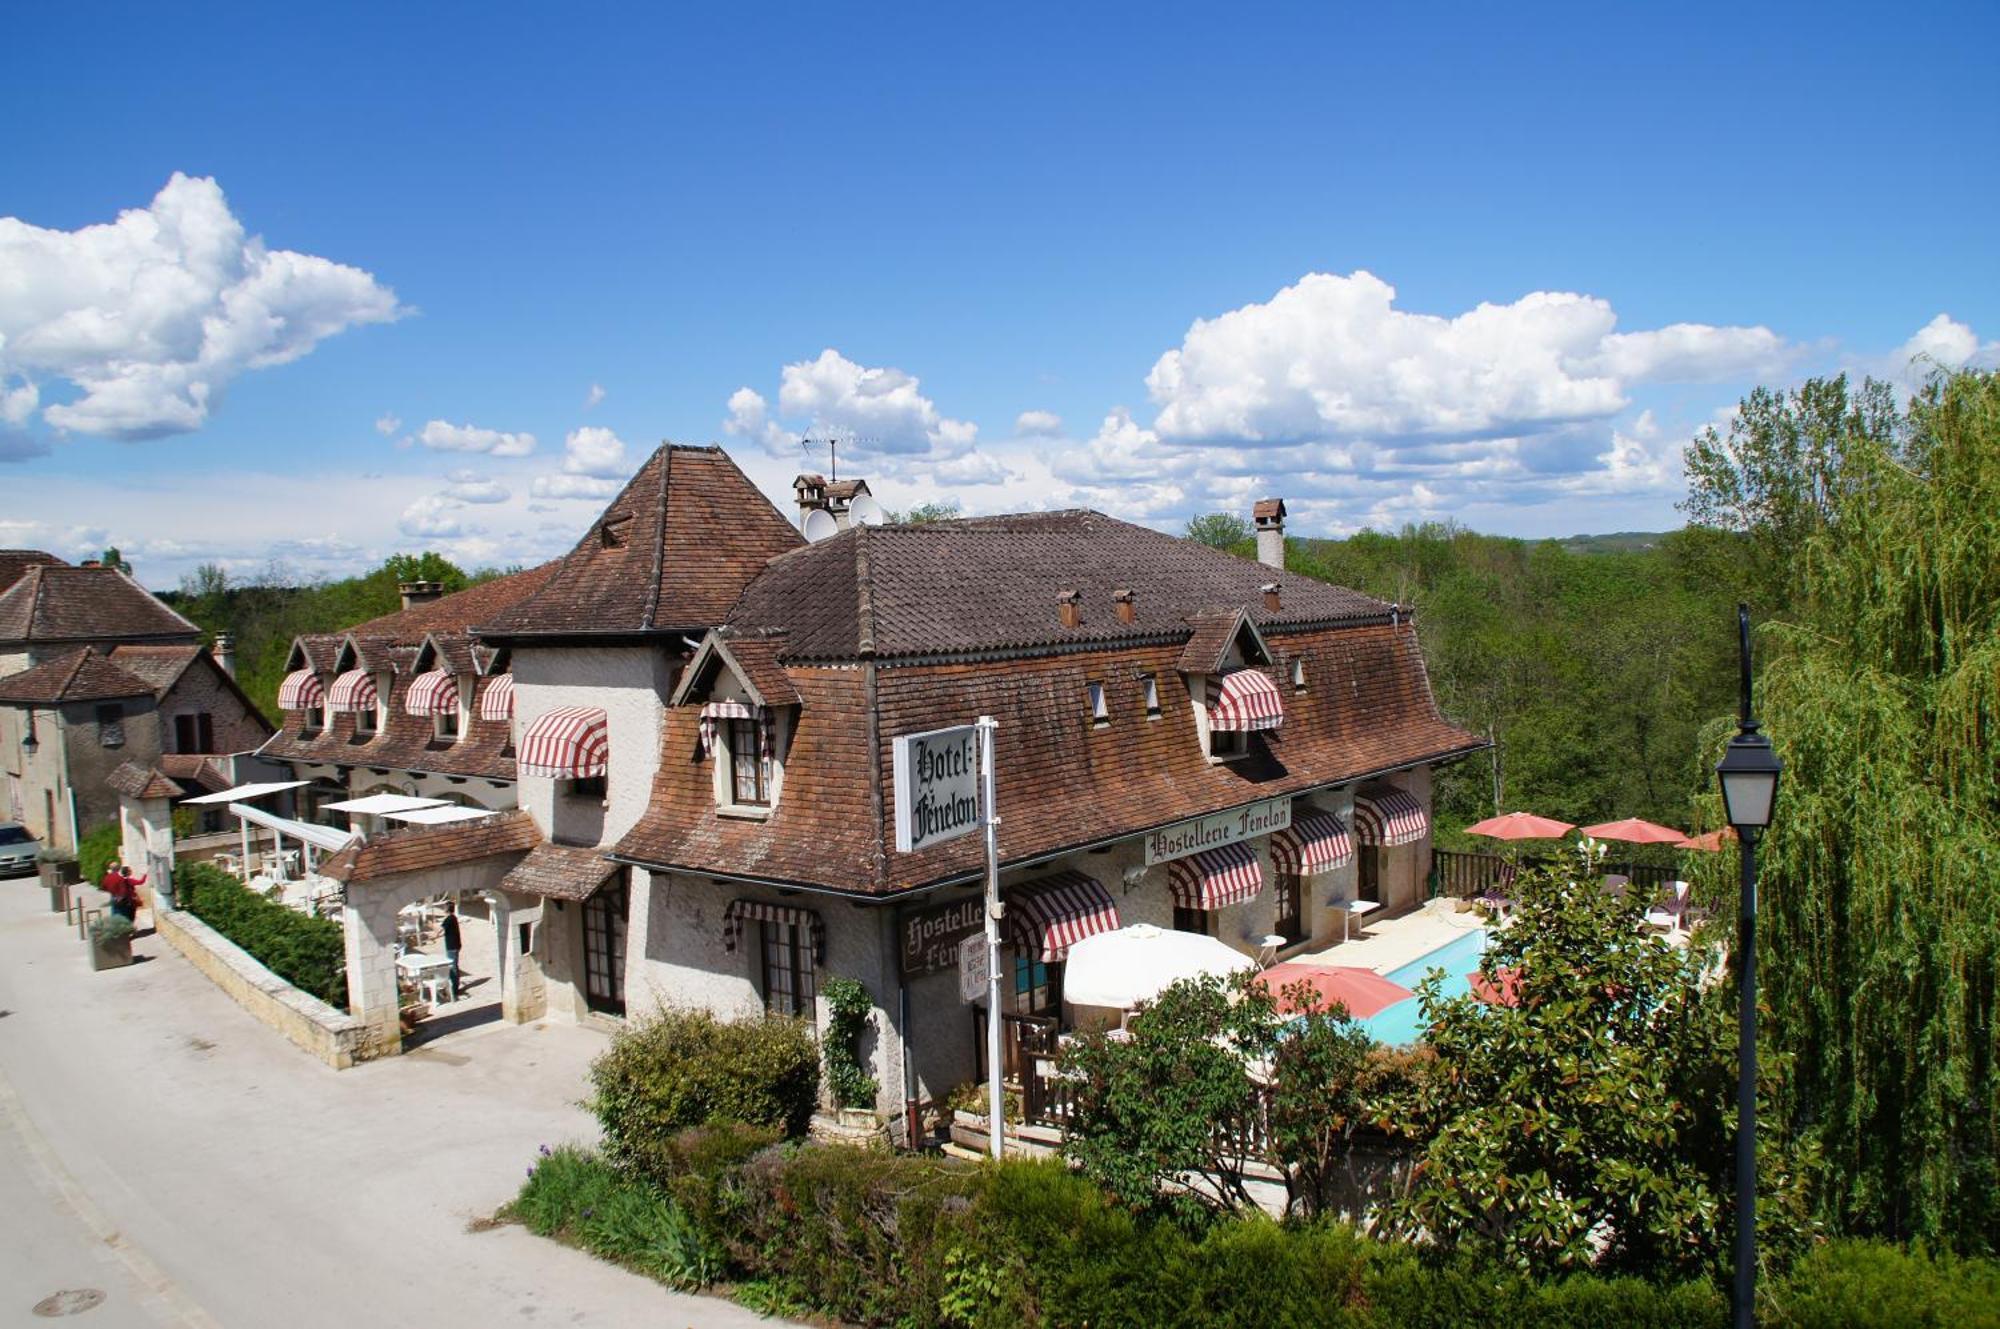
<point x="451" y="944"/>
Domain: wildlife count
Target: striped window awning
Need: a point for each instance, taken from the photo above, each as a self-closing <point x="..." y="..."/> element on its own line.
<point x="432" y="693"/>
<point x="1315" y="842"/>
<point x="496" y="702"/>
<point x="1216" y="879"/>
<point x="740" y="911"/>
<point x="1054" y="913"/>
<point x="352" y="691"/>
<point x="569" y="743"/>
<point x="301" y="691"/>
<point x="714" y="713"/>
<point x="1248" y="699"/>
<point x="1389" y="817"/>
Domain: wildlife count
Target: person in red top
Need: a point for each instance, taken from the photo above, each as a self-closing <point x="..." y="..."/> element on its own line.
<point x="123" y="888"/>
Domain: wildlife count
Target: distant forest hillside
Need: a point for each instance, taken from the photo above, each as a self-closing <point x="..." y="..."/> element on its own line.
<point x="1593" y="661"/>
<point x="264" y="614"/>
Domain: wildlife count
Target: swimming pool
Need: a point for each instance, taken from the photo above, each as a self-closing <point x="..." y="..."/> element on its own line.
<point x="1399" y="1025"/>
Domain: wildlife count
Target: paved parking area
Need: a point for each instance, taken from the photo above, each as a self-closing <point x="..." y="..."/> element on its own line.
<point x="160" y="1146"/>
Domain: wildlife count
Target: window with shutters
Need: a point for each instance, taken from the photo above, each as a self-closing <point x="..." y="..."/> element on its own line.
<point x="111" y="724"/>
<point x="194" y="732"/>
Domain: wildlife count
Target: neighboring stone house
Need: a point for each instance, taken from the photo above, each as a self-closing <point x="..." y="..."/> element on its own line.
<point x="706" y="712"/>
<point x="70" y="723"/>
<point x="407" y="703"/>
<point x="51" y="608"/>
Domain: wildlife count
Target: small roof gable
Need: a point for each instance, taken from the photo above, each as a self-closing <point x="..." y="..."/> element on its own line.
<point x="14" y="562"/>
<point x="428" y="847"/>
<point x="1215" y="631"/>
<point x="81" y="675"/>
<point x="559" y="872"/>
<point x="161" y="666"/>
<point x="754" y="662"/>
<point x="136" y="781"/>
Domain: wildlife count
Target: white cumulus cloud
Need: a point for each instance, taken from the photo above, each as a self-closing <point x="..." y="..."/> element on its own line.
<point x="443" y="436"/>
<point x="1038" y="424"/>
<point x="434" y="516"/>
<point x="387" y="423"/>
<point x="152" y="316"/>
<point x="594" y="466"/>
<point x="594" y="396"/>
<point x="877" y="414"/>
<point x="472" y="487"/>
<point x="574" y="486"/>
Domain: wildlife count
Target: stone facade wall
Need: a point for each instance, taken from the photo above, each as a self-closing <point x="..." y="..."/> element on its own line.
<point x="90" y="763"/>
<point x="202" y="688"/>
<point x="335" y="1037"/>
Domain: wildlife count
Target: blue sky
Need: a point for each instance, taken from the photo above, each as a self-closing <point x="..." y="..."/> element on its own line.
<point x="1157" y="260"/>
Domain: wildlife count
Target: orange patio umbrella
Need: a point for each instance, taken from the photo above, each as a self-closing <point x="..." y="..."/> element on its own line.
<point x="1710" y="843"/>
<point x="1520" y="826"/>
<point x="1634" y="831"/>
<point x="1362" y="991"/>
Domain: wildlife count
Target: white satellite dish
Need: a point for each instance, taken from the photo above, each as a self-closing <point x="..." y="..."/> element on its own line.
<point x="864" y="511"/>
<point x="819" y="525"/>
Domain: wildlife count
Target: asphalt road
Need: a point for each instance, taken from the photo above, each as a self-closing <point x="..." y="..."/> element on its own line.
<point x="161" y="1147"/>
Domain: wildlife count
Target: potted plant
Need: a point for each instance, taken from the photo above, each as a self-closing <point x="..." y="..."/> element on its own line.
<point x="58" y="871"/>
<point x="110" y="941"/>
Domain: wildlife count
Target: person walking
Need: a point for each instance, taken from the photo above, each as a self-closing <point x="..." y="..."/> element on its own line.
<point x="123" y="888"/>
<point x="452" y="943"/>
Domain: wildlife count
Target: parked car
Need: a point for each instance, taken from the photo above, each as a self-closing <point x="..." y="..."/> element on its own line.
<point x="17" y="850"/>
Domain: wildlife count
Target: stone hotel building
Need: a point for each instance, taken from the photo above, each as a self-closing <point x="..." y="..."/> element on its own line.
<point x="699" y="752"/>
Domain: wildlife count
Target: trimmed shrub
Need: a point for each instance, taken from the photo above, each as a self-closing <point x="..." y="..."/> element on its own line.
<point x="1873" y="1285"/>
<point x="96" y="850"/>
<point x="681" y="1069"/>
<point x="309" y="953"/>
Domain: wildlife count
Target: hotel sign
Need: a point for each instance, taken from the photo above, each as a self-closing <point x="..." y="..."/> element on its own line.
<point x="1204" y="833"/>
<point x="937" y="786"/>
<point x="931" y="937"/>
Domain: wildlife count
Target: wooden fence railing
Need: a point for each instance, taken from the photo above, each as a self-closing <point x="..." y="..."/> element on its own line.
<point x="1463" y="875"/>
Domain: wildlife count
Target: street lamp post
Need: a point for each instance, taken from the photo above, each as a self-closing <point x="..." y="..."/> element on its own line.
<point x="1748" y="773"/>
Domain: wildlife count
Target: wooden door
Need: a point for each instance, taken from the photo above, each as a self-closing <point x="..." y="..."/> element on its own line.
<point x="604" y="945"/>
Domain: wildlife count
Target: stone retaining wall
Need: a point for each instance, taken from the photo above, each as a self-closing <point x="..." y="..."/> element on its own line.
<point x="334" y="1036"/>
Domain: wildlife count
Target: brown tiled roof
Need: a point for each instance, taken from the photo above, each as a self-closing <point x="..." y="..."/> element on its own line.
<point x="990" y="584"/>
<point x="672" y="552"/>
<point x="1367" y="709"/>
<point x="136" y="781"/>
<point x="193" y="769"/>
<point x="1267" y="508"/>
<point x="14" y="562"/>
<point x="405" y="743"/>
<point x="80" y="675"/>
<point x="452" y="652"/>
<point x="160" y="666"/>
<point x="459" y="611"/>
<point x="51" y="602"/>
<point x="1214" y="633"/>
<point x="425" y="847"/>
<point x="559" y="872"/>
<point x="315" y="651"/>
<point x="754" y="659"/>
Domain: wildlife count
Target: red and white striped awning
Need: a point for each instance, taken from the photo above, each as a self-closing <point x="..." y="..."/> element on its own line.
<point x="1220" y="877"/>
<point x="497" y="701"/>
<point x="1389" y="817"/>
<point x="715" y="712"/>
<point x="1315" y="842"/>
<point x="740" y="911"/>
<point x="1056" y="912"/>
<point x="352" y="691"/>
<point x="569" y="743"/>
<point x="432" y="693"/>
<point x="1248" y="699"/>
<point x="301" y="691"/>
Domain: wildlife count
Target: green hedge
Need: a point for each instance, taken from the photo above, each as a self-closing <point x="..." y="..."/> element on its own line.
<point x="919" y="1242"/>
<point x="309" y="953"/>
<point x="97" y="849"/>
<point x="680" y="1069"/>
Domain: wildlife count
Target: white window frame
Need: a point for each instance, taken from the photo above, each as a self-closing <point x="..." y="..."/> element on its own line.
<point x="724" y="781"/>
<point x="1149" y="691"/>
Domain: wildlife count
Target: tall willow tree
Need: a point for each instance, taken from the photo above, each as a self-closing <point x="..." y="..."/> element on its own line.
<point x="1881" y="872"/>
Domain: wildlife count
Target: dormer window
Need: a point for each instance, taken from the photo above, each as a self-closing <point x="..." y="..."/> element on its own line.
<point x="1228" y="744"/>
<point x="749" y="767"/>
<point x="743" y="740"/>
<point x="1240" y="702"/>
<point x="445" y="725"/>
<point x="367" y="721"/>
<point x="1100" y="712"/>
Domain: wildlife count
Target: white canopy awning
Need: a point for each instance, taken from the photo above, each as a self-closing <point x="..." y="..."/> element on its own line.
<point x="377" y="805"/>
<point x="438" y="816"/>
<point x="243" y="791"/>
<point x="319" y="837"/>
<point x="1136" y="964"/>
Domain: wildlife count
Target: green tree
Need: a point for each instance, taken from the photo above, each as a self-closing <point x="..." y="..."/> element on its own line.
<point x="1218" y="530"/>
<point x="936" y="510"/>
<point x="1585" y="1122"/>
<point x="112" y="557"/>
<point x="1880" y="914"/>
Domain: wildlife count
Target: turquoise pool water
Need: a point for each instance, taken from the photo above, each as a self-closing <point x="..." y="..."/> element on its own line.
<point x="1400" y="1024"/>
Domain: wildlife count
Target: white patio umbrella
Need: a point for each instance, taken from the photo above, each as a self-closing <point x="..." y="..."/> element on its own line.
<point x="1134" y="964"/>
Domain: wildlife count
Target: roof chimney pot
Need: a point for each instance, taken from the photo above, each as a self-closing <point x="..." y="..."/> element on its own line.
<point x="1128" y="611"/>
<point x="419" y="592"/>
<point x="1269" y="515"/>
<point x="1070" y="605"/>
<point x="1271" y="602"/>
<point x="224" y="651"/>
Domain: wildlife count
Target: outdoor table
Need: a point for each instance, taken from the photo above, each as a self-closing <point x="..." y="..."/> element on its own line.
<point x="1350" y="908"/>
<point x="422" y="968"/>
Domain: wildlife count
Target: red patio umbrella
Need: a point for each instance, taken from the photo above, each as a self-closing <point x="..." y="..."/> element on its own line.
<point x="1634" y="831"/>
<point x="1520" y="826"/>
<point x="1710" y="843"/>
<point x="1503" y="989"/>
<point x="1362" y="991"/>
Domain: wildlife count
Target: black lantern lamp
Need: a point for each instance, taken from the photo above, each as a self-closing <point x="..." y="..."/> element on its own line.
<point x="1749" y="772"/>
<point x="29" y="742"/>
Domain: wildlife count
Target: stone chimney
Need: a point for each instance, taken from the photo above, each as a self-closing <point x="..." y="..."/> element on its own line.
<point x="1128" y="610"/>
<point x="810" y="491"/>
<point x="224" y="651"/>
<point x="835" y="497"/>
<point x="419" y="592"/>
<point x="1069" y="604"/>
<point x="1271" y="602"/>
<point x="1270" y="517"/>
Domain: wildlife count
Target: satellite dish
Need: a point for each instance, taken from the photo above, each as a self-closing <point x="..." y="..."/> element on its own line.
<point x="864" y="511"/>
<point x="819" y="525"/>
